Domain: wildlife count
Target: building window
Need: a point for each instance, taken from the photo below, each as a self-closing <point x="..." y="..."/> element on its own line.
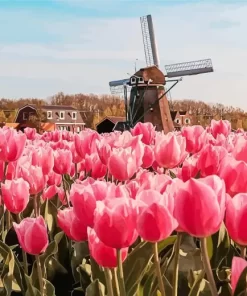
<point x="49" y="114"/>
<point x="187" y="121"/>
<point x="74" y="115"/>
<point x="25" y="116"/>
<point x="62" y="128"/>
<point x="61" y="116"/>
<point x="177" y="120"/>
<point x="78" y="129"/>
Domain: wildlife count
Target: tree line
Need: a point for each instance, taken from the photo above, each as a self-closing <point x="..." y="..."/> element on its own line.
<point x="94" y="108"/>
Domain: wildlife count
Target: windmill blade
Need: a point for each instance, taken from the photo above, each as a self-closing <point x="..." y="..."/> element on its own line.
<point x="149" y="41"/>
<point x="189" y="68"/>
<point x="117" y="86"/>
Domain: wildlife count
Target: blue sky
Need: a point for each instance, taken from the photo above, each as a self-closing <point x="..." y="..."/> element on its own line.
<point x="79" y="46"/>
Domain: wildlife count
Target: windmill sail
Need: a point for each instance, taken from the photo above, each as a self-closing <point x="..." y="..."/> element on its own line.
<point x="149" y="41"/>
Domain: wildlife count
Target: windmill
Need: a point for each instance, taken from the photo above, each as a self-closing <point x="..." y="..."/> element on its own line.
<point x="147" y="87"/>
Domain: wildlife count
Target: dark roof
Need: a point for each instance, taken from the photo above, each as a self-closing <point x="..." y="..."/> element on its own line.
<point x="173" y="114"/>
<point x="57" y="107"/>
<point x="50" y="107"/>
<point x="113" y="119"/>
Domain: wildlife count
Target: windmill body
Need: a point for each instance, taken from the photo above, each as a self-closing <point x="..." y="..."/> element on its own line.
<point x="148" y="101"/>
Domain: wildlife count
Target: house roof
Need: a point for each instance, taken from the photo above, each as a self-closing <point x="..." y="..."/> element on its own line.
<point x="57" y="107"/>
<point x="113" y="119"/>
<point x="50" y="107"/>
<point x="173" y="114"/>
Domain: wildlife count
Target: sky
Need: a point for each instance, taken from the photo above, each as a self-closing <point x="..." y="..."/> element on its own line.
<point x="77" y="46"/>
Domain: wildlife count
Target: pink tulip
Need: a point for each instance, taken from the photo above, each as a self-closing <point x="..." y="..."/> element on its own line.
<point x="155" y="220"/>
<point x="103" y="150"/>
<point x="114" y="191"/>
<point x="62" y="161"/>
<point x="148" y="157"/>
<point x="54" y="179"/>
<point x="12" y="144"/>
<point x="30" y="133"/>
<point x="220" y="127"/>
<point x="195" y="138"/>
<point x="210" y="159"/>
<point x="43" y="157"/>
<point x="85" y="142"/>
<point x="49" y="192"/>
<point x="189" y="168"/>
<point x="32" y="235"/>
<point x="102" y="254"/>
<point x="94" y="166"/>
<point x="147" y="130"/>
<point x="34" y="176"/>
<point x="204" y="198"/>
<point x="169" y="150"/>
<point x="133" y="187"/>
<point x="15" y="195"/>
<point x="122" y="164"/>
<point x="236" y="215"/>
<point x="234" y="174"/>
<point x="84" y="200"/>
<point x="74" y="228"/>
<point x="238" y="266"/>
<point x="240" y="149"/>
<point x="155" y="182"/>
<point x="76" y="158"/>
<point x="115" y="222"/>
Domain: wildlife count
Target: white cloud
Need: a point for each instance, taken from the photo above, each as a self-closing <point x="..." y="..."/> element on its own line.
<point x="92" y="52"/>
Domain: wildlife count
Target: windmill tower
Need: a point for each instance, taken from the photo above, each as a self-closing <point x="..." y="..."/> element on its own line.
<point x="147" y="87"/>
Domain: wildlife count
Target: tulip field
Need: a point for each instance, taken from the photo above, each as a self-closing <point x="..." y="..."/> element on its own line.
<point x="123" y="214"/>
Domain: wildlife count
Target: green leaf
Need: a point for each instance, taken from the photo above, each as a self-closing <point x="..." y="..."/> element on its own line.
<point x="44" y="258"/>
<point x="166" y="242"/>
<point x="135" y="266"/>
<point x="97" y="271"/>
<point x="201" y="287"/>
<point x="218" y="246"/>
<point x="31" y="290"/>
<point x="51" y="249"/>
<point x="19" y="275"/>
<point x="85" y="279"/>
<point x="80" y="252"/>
<point x="50" y="215"/>
<point x="150" y="284"/>
<point x="54" y="267"/>
<point x="241" y="284"/>
<point x="96" y="288"/>
<point x="8" y="268"/>
<point x="50" y="289"/>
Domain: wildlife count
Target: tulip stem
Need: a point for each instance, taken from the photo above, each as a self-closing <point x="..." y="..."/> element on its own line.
<point x="115" y="281"/>
<point x="243" y="251"/>
<point x="108" y="278"/>
<point x="24" y="254"/>
<point x="8" y="216"/>
<point x="65" y="190"/>
<point x="207" y="267"/>
<point x="120" y="274"/>
<point x="158" y="271"/>
<point x="36" y="205"/>
<point x="40" y="276"/>
<point x="176" y="264"/>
